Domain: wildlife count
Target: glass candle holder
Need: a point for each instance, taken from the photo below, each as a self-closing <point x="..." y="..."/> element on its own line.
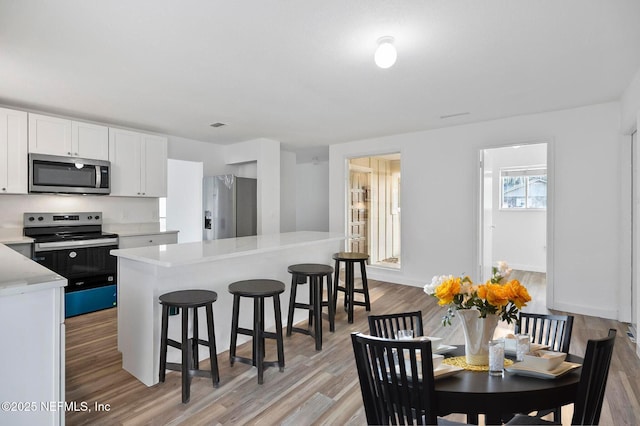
<point x="404" y="334"/>
<point x="523" y="346"/>
<point x="496" y="357"/>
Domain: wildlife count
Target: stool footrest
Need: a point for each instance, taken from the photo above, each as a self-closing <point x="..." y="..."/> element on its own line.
<point x="249" y="361"/>
<point x="302" y="330"/>
<point x="199" y="373"/>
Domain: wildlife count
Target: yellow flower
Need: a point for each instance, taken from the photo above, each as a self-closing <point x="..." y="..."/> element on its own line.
<point x="447" y="290"/>
<point x="495" y="294"/>
<point x="518" y="293"/>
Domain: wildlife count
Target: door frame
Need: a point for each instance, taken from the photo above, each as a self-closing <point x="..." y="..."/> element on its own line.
<point x="550" y="302"/>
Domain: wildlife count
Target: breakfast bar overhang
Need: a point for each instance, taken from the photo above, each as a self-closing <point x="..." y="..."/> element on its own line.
<point x="147" y="272"/>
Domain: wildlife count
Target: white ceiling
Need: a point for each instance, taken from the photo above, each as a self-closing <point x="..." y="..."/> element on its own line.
<point x="302" y="72"/>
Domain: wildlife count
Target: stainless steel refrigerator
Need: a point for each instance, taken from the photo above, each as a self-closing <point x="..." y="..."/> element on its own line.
<point x="230" y="207"/>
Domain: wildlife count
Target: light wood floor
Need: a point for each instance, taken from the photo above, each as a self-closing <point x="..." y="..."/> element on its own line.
<point x="315" y="388"/>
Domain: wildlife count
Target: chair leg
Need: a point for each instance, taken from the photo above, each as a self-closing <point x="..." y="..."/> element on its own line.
<point x="213" y="353"/>
<point x="163" y="342"/>
<point x="184" y="345"/>
<point x="365" y="284"/>
<point x="234" y="328"/>
<point x="292" y="303"/>
<point x="194" y="342"/>
<point x="336" y="283"/>
<point x="258" y="336"/>
<point x="330" y="305"/>
<point x="316" y="288"/>
<point x="279" y="339"/>
<point x="312" y="303"/>
<point x="350" y="287"/>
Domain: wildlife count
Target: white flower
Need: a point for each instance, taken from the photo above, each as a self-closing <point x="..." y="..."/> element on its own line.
<point x="430" y="288"/>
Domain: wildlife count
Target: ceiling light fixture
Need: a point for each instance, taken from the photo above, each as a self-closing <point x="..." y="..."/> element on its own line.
<point x="386" y="54"/>
<point x="217" y="124"/>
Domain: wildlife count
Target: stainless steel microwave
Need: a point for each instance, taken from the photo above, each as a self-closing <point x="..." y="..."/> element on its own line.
<point x="68" y="175"/>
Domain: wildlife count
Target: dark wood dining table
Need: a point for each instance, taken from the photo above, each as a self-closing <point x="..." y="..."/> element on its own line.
<point x="475" y="392"/>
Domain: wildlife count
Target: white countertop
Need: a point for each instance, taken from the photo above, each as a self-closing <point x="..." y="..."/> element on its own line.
<point x="19" y="274"/>
<point x="206" y="251"/>
<point x="135" y="229"/>
<point x="13" y="236"/>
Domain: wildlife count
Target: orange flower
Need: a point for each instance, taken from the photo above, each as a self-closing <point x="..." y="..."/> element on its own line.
<point x="518" y="293"/>
<point x="495" y="294"/>
<point x="447" y="290"/>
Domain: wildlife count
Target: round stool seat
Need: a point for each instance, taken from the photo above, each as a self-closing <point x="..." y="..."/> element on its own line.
<point x="310" y="269"/>
<point x="189" y="298"/>
<point x="348" y="256"/>
<point x="256" y="288"/>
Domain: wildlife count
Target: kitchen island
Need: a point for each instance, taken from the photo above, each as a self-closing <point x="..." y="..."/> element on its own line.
<point x="147" y="272"/>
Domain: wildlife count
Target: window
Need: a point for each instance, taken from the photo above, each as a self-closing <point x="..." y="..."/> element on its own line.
<point x="523" y="188"/>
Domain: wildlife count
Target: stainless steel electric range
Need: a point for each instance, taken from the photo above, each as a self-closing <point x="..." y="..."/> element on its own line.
<point x="74" y="246"/>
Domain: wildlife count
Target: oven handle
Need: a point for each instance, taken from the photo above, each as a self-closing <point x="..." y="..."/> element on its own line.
<point x="58" y="245"/>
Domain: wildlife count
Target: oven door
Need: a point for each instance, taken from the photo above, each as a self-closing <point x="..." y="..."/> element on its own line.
<point x="91" y="273"/>
<point x="81" y="264"/>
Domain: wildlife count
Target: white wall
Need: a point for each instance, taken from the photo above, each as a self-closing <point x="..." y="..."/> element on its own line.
<point x="287" y="191"/>
<point x="211" y="155"/>
<point x="184" y="199"/>
<point x="630" y="105"/>
<point x="519" y="237"/>
<point x="266" y="153"/>
<point x="312" y="195"/>
<point x="440" y="201"/>
<point x="114" y="209"/>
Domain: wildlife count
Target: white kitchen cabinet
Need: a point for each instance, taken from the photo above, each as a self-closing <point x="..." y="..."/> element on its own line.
<point x="138" y="164"/>
<point x="60" y="136"/>
<point x="155" y="239"/>
<point x="13" y="152"/>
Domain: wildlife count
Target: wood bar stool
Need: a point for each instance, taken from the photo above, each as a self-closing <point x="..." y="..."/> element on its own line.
<point x="314" y="273"/>
<point x="184" y="300"/>
<point x="349" y="288"/>
<point x="258" y="290"/>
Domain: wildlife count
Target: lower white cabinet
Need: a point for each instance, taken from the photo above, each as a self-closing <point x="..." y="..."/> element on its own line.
<point x="33" y="356"/>
<point x="133" y="241"/>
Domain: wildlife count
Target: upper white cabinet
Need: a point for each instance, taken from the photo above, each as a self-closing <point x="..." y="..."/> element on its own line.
<point x="13" y="152"/>
<point x="138" y="164"/>
<point x="59" y="136"/>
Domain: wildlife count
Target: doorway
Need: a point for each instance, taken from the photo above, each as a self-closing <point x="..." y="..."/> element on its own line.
<point x="513" y="211"/>
<point x="373" y="209"/>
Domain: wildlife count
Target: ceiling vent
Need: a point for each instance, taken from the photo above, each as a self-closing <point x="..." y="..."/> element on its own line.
<point x="217" y="124"/>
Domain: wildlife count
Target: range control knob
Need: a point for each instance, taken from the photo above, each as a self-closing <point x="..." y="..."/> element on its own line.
<point x="40" y="218"/>
<point x="89" y="217"/>
<point x="31" y="218"/>
<point x="97" y="217"/>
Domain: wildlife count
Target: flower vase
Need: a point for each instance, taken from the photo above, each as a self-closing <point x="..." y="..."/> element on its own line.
<point x="477" y="333"/>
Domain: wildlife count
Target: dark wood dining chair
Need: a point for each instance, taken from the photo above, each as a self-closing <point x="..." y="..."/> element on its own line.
<point x="552" y="330"/>
<point x="593" y="381"/>
<point x="387" y="325"/>
<point x="396" y="389"/>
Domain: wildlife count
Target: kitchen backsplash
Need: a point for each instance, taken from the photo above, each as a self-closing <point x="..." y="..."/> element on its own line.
<point x="114" y="209"/>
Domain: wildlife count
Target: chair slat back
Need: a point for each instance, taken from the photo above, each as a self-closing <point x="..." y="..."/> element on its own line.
<point x="593" y="380"/>
<point x="552" y="330"/>
<point x="396" y="380"/>
<point x="387" y="325"/>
